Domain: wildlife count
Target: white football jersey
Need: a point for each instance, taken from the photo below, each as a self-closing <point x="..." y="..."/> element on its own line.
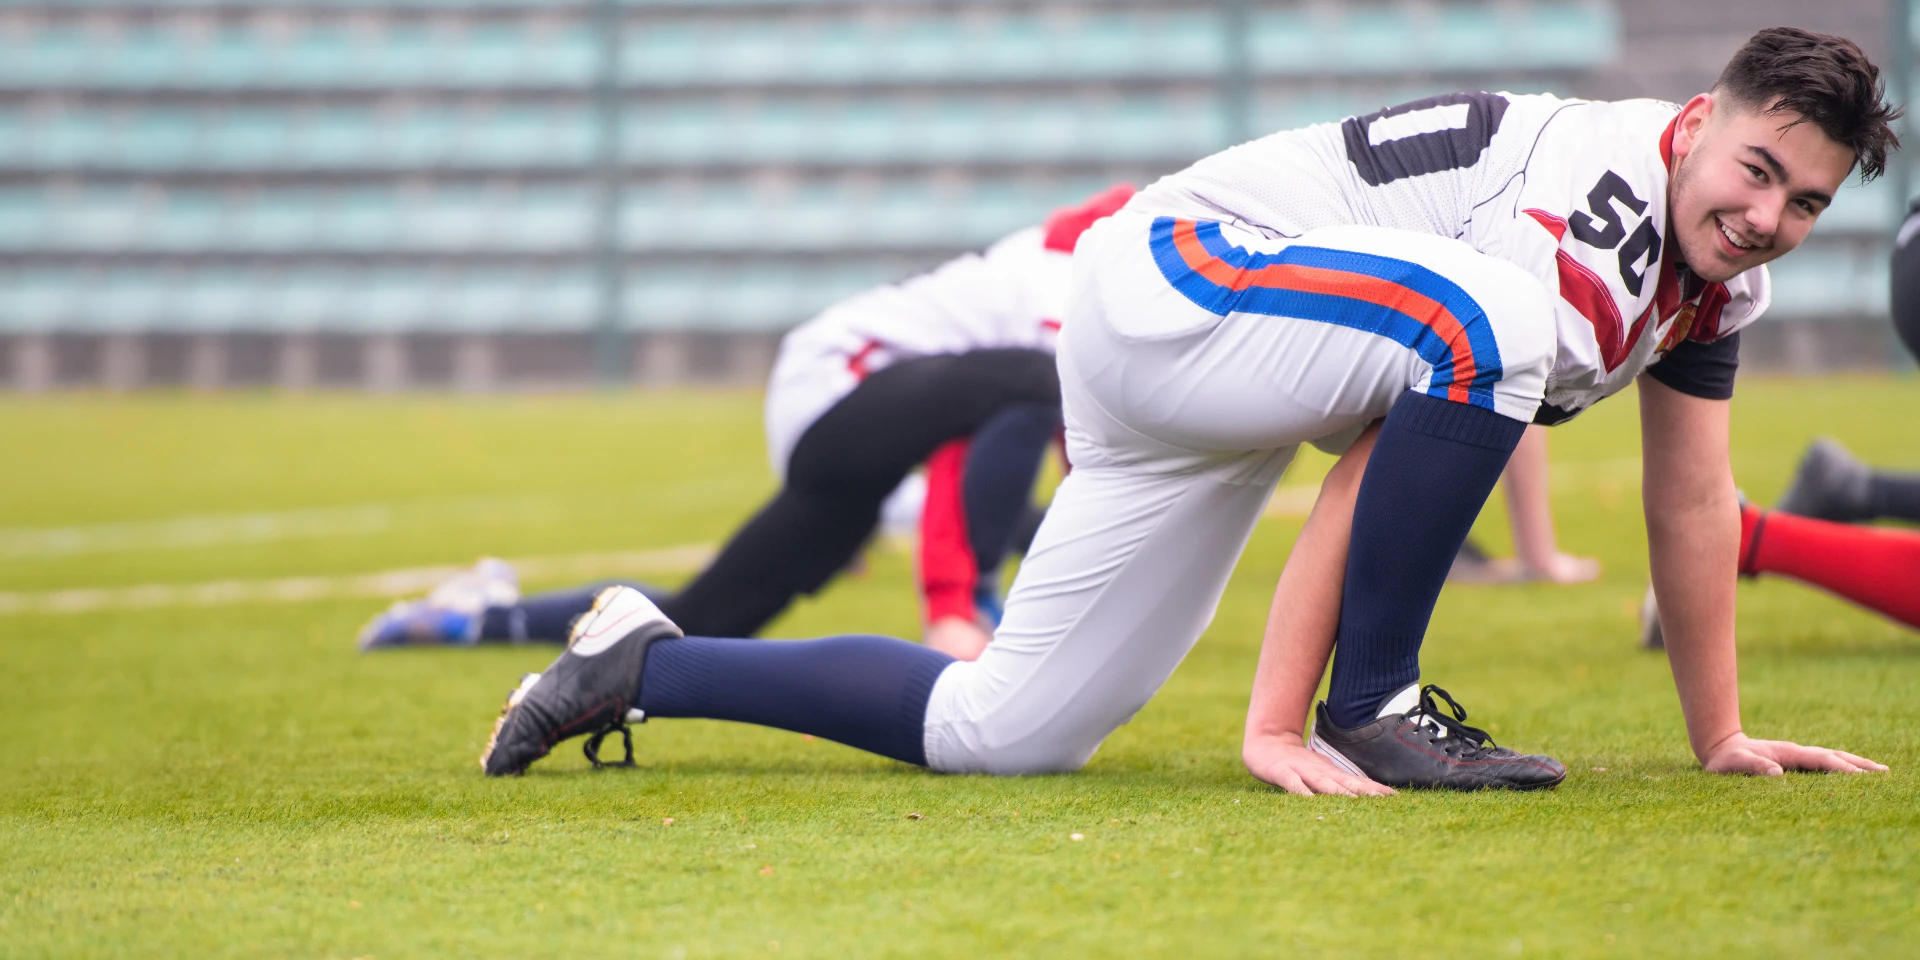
<point x="1573" y="191"/>
<point x="1009" y="296"/>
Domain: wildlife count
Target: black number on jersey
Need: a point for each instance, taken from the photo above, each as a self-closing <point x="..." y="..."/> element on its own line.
<point x="1449" y="148"/>
<point x="1643" y="244"/>
<point x="1610" y="188"/>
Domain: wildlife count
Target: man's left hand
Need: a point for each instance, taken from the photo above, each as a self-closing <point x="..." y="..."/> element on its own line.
<point x="1770" y="758"/>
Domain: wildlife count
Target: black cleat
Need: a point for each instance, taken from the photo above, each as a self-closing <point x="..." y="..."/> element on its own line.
<point x="1829" y="485"/>
<point x="590" y="689"/>
<point x="1413" y="743"/>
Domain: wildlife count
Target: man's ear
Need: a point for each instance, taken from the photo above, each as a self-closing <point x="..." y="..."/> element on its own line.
<point x="1691" y="123"/>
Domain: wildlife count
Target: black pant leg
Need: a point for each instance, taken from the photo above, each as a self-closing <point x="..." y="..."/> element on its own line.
<point x="793" y="546"/>
<point x="842" y="470"/>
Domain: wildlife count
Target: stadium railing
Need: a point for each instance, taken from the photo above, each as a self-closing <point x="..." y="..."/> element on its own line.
<point x="388" y="168"/>
<point x="799" y="47"/>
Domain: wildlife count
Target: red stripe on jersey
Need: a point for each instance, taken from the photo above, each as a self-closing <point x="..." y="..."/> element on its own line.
<point x="1555" y="225"/>
<point x="1697" y="319"/>
<point x="857" y="364"/>
<point x="1706" y="318"/>
<point x="1050" y="324"/>
<point x="1666" y="293"/>
<point x="1588" y="294"/>
<point x="1339" y="283"/>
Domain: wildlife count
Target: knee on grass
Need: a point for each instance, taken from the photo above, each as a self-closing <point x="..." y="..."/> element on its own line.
<point x="1028" y="757"/>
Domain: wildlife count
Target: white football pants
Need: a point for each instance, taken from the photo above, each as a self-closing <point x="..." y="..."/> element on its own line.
<point x="1186" y="393"/>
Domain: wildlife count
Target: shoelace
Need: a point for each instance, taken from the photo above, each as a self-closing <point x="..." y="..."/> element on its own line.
<point x="592" y="747"/>
<point x="1466" y="739"/>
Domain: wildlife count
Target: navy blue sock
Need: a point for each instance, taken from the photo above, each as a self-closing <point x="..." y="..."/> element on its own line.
<point x="864" y="691"/>
<point x="1430" y="472"/>
<point x="547" y="617"/>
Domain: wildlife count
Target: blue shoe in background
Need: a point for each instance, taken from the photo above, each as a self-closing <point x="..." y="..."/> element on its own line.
<point x="450" y="615"/>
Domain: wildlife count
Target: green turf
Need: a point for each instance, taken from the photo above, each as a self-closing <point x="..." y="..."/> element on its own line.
<point x="236" y="780"/>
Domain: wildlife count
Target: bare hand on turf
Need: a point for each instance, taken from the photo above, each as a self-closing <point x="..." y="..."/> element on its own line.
<point x="1770" y="758"/>
<point x="1286" y="763"/>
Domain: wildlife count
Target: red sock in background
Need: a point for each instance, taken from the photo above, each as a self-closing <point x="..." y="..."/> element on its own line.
<point x="1874" y="567"/>
<point x="948" y="571"/>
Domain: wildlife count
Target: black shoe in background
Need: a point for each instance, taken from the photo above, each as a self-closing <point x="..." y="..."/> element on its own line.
<point x="1829" y="485"/>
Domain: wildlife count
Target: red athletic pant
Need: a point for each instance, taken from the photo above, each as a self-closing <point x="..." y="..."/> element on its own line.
<point x="1875" y="567"/>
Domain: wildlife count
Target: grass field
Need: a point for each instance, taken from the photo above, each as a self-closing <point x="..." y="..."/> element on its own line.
<point x="203" y="777"/>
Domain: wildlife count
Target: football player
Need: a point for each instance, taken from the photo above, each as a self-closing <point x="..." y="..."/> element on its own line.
<point x="953" y="369"/>
<point x="1412" y="287"/>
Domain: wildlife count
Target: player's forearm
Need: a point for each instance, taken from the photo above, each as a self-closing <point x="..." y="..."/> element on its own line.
<point x="1306" y="606"/>
<point x="1693" y="539"/>
<point x="1299" y="635"/>
<point x="1694" y="555"/>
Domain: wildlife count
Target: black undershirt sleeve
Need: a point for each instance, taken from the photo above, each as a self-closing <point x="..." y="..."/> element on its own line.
<point x="1696" y="369"/>
<point x="1702" y="370"/>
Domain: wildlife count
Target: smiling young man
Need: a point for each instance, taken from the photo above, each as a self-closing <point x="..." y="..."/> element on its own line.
<point x="1414" y="287"/>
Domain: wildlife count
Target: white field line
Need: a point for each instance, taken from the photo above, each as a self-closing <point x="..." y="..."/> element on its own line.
<point x="196" y="531"/>
<point x="362" y="519"/>
<point x="384" y="584"/>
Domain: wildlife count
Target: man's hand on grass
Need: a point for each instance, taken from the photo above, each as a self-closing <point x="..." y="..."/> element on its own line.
<point x="1565" y="568"/>
<point x="1770" y="758"/>
<point x="1284" y="762"/>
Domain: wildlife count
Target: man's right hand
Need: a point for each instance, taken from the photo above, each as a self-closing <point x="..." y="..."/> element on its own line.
<point x="1286" y="763"/>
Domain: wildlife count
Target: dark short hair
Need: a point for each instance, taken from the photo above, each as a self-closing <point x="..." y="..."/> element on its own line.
<point x="1826" y="81"/>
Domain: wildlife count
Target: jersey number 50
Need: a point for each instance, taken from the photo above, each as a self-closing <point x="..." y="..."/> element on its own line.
<point x="1644" y="244"/>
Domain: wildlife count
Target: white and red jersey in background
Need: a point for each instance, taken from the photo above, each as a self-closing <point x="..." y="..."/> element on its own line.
<point x="1011" y="295"/>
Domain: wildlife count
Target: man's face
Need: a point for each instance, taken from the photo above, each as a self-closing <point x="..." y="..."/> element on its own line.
<point x="1747" y="184"/>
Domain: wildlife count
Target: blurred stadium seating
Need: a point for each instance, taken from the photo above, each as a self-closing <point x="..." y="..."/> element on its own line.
<point x="389" y="192"/>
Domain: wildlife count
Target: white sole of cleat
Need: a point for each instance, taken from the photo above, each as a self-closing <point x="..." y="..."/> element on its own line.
<point x="520" y="692"/>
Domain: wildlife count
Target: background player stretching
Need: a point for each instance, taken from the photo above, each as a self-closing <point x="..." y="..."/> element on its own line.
<point x="953" y="368"/>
